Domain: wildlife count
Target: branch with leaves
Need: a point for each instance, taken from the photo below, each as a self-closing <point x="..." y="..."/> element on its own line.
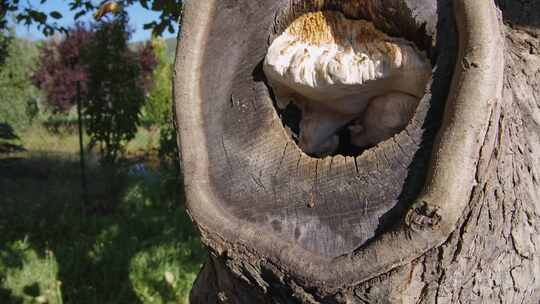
<point x="170" y="11"/>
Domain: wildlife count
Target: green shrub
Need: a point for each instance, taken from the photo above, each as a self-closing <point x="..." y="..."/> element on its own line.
<point x="19" y="99"/>
<point x="132" y="245"/>
<point x="35" y="277"/>
<point x="156" y="109"/>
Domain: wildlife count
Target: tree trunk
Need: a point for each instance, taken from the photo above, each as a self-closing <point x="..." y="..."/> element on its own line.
<point x="444" y="212"/>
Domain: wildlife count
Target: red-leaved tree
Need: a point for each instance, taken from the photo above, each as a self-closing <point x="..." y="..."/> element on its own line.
<point x="60" y="67"/>
<point x="63" y="62"/>
<point x="147" y="63"/>
<point x="114" y="78"/>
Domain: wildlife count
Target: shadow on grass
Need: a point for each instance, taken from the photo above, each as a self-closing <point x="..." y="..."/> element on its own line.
<point x="7" y="139"/>
<point x="6" y="296"/>
<point x="132" y="243"/>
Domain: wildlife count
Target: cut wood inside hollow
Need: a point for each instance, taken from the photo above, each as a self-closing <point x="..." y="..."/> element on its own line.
<point x="240" y="163"/>
<point x="344" y="75"/>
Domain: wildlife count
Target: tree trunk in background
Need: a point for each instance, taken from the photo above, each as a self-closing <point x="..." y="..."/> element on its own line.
<point x="491" y="257"/>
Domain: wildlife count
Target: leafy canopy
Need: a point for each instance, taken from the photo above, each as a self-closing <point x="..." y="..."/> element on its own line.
<point x="170" y="11"/>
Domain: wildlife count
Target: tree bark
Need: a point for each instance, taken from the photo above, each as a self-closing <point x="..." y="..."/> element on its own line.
<point x="382" y="227"/>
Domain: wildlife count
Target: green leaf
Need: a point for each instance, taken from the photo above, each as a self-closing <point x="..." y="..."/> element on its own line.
<point x="148" y="26"/>
<point x="79" y="15"/>
<point x="38" y="16"/>
<point x="55" y="14"/>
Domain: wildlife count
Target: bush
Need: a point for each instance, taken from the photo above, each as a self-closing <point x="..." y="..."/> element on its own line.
<point x="18" y="97"/>
<point x="131" y="243"/>
<point x="156" y="109"/>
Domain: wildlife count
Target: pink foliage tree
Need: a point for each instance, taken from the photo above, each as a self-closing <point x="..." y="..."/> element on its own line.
<point x="60" y="66"/>
<point x="63" y="62"/>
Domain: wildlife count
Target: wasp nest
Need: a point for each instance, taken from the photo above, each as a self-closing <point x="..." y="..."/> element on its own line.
<point x="342" y="72"/>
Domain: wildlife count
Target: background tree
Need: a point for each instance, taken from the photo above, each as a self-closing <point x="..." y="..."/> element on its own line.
<point x="18" y="96"/>
<point x="4" y="43"/>
<point x="60" y="67"/>
<point x="114" y="79"/>
<point x="118" y="80"/>
<point x="157" y="108"/>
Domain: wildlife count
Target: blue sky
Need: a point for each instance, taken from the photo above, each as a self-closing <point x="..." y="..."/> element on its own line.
<point x="138" y="17"/>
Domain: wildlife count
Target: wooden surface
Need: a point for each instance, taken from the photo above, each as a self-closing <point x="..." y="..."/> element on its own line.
<point x="490" y="256"/>
<point x="328" y="206"/>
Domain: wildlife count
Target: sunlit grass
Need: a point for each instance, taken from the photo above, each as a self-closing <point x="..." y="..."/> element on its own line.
<point x="146" y="140"/>
<point x="131" y="242"/>
<point x="29" y="276"/>
<point x="38" y="139"/>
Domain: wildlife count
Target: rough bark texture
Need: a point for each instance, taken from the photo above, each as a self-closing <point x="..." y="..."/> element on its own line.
<point x="490" y="258"/>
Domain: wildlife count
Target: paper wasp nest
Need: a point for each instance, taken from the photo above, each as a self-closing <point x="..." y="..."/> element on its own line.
<point x="335" y="70"/>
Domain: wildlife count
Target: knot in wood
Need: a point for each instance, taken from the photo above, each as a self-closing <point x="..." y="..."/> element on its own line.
<point x="222" y="297"/>
<point x="423" y="216"/>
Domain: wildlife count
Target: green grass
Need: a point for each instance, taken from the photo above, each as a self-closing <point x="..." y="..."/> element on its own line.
<point x="132" y="241"/>
<point x="145" y="142"/>
<point x="38" y="140"/>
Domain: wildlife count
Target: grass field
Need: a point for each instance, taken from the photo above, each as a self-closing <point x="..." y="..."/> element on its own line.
<point x="129" y="242"/>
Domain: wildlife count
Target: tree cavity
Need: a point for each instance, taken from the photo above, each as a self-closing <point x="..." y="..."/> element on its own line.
<point x="352" y="85"/>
